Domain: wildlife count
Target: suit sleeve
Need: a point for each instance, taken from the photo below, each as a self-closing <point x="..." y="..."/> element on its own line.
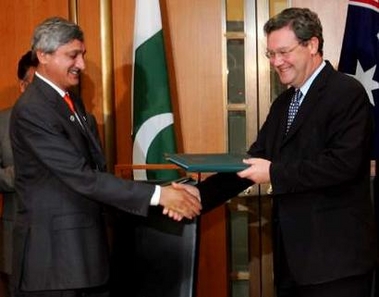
<point x="57" y="149"/>
<point x="218" y="188"/>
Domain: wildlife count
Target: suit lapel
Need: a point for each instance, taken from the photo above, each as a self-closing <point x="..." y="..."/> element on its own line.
<point x="54" y="99"/>
<point x="310" y="100"/>
<point x="94" y="145"/>
<point x="85" y="136"/>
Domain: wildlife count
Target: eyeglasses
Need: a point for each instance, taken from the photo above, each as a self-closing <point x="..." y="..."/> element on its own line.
<point x="283" y="53"/>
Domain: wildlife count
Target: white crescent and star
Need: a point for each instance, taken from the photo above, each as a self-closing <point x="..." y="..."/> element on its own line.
<point x="144" y="138"/>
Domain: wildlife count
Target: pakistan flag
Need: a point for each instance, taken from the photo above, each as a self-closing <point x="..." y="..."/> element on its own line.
<point x="153" y="129"/>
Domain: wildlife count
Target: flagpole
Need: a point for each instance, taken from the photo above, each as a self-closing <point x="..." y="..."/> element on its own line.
<point x="73" y="11"/>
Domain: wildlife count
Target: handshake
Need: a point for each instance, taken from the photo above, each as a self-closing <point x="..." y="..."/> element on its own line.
<point x="180" y="200"/>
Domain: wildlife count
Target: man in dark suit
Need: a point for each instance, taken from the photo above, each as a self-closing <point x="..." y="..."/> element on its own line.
<point x="318" y="167"/>
<point x="60" y="245"/>
<point x="25" y="72"/>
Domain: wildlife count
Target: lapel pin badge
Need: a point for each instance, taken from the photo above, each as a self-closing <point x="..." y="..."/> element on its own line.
<point x="72" y="118"/>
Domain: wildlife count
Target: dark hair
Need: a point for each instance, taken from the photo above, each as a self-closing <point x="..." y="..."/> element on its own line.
<point x="26" y="61"/>
<point x="304" y="23"/>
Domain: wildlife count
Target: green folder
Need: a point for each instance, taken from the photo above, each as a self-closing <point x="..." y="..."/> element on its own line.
<point x="222" y="162"/>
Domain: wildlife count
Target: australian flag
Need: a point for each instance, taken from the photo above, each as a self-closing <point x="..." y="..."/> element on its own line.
<point x="360" y="52"/>
<point x="360" y="58"/>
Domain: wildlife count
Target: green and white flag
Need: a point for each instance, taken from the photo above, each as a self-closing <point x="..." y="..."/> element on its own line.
<point x="153" y="129"/>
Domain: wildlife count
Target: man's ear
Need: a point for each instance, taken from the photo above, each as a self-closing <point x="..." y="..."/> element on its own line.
<point x="42" y="57"/>
<point x="313" y="44"/>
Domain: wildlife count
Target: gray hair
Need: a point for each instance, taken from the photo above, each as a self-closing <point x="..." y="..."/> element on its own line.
<point x="304" y="23"/>
<point x="54" y="32"/>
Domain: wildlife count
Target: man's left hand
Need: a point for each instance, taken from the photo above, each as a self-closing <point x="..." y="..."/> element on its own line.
<point x="258" y="172"/>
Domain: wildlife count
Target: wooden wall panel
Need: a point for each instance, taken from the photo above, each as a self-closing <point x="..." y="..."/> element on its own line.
<point x="91" y="81"/>
<point x="197" y="51"/>
<point x="17" y="21"/>
<point x="197" y="44"/>
<point x="123" y="26"/>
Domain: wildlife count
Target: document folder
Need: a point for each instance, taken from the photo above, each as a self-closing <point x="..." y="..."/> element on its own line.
<point x="222" y="162"/>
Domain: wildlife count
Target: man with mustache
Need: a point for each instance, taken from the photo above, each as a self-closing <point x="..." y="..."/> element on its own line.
<point x="60" y="244"/>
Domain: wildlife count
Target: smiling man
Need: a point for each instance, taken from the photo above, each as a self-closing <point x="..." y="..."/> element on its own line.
<point x="314" y="148"/>
<point x="60" y="245"/>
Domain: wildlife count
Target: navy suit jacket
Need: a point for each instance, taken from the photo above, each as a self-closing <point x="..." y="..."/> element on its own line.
<point x="59" y="237"/>
<point x="320" y="175"/>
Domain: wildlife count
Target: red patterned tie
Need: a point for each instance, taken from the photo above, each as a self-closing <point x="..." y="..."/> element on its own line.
<point x="68" y="100"/>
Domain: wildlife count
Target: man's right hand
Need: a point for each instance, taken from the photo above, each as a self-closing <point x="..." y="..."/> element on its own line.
<point x="179" y="203"/>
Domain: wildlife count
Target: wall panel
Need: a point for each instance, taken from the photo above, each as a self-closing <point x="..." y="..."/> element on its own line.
<point x="197" y="51"/>
<point x="17" y="21"/>
<point x="91" y="79"/>
<point x="123" y="26"/>
<point x="197" y="42"/>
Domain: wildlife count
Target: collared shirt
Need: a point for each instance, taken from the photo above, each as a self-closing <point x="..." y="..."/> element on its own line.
<point x="50" y="83"/>
<point x="157" y="192"/>
<point x="61" y="92"/>
<point x="305" y="87"/>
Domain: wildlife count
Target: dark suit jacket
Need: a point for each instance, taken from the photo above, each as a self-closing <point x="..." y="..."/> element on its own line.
<point x="60" y="240"/>
<point x="320" y="175"/>
<point x="7" y="190"/>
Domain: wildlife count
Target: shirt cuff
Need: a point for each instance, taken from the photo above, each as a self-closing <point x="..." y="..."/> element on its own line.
<point x="156" y="196"/>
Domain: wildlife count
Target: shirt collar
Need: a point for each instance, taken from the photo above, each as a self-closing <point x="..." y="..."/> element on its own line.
<point x="305" y="87"/>
<point x="54" y="86"/>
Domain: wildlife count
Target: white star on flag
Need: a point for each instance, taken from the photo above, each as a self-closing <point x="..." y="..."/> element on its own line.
<point x="366" y="78"/>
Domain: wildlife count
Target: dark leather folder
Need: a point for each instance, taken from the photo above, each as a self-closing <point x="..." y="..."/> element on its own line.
<point x="221" y="162"/>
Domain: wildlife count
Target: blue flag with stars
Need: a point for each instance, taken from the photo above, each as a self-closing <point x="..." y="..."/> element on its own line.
<point x="360" y="58"/>
<point x="360" y="52"/>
